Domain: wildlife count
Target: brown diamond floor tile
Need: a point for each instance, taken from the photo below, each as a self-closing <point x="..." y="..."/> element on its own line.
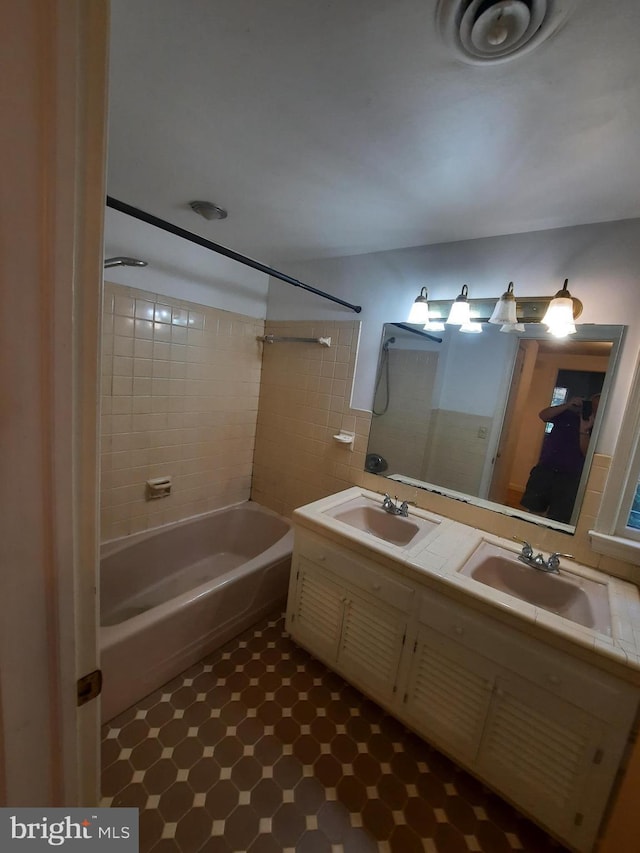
<point x="259" y="748"/>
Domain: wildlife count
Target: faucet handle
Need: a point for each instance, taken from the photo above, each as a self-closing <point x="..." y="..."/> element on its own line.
<point x="554" y="560"/>
<point x="527" y="550"/>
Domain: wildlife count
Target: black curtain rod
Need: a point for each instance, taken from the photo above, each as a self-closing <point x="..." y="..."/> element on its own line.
<point x="150" y="219"/>
<point x="417" y="332"/>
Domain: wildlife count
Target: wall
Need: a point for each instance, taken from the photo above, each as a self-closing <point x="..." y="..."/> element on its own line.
<point x="304" y="401"/>
<point x="400" y="434"/>
<point x="180" y="389"/>
<point x="457" y="450"/>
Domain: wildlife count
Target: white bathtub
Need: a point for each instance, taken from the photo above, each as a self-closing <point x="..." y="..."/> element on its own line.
<point x="168" y="597"/>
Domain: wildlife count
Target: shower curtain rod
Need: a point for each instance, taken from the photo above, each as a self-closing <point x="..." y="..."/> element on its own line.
<point x="150" y="219"/>
<point x="417" y="332"/>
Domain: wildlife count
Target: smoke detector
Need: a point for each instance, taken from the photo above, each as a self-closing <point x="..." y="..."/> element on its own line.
<point x="208" y="210"/>
<point x="491" y="31"/>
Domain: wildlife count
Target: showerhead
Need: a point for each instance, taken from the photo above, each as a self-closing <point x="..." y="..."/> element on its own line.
<point x="124" y="262"/>
<point x="385" y="345"/>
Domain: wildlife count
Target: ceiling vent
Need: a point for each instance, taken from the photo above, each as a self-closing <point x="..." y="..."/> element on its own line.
<point x="491" y="31"/>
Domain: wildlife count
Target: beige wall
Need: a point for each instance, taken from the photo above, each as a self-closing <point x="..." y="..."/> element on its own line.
<point x="400" y="434"/>
<point x="180" y="389"/>
<point x="457" y="450"/>
<point x="304" y="401"/>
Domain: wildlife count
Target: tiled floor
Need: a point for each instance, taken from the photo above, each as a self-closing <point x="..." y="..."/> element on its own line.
<point x="260" y="748"/>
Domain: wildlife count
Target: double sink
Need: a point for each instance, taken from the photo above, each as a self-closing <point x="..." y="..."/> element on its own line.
<point x="568" y="594"/>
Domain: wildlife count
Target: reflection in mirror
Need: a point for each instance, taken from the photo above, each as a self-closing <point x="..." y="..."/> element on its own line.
<point x="461" y="417"/>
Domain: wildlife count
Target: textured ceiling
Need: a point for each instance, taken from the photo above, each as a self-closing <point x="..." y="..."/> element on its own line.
<point x="332" y="128"/>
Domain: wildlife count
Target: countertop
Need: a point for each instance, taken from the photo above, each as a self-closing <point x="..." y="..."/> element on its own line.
<point x="435" y="560"/>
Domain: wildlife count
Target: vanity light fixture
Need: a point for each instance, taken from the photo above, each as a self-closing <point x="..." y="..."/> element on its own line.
<point x="434" y="326"/>
<point x="420" y="309"/>
<point x="459" y="314"/>
<point x="560" y="314"/>
<point x="471" y="328"/>
<point x="505" y="311"/>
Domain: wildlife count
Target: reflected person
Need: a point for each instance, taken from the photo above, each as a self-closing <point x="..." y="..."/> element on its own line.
<point x="553" y="483"/>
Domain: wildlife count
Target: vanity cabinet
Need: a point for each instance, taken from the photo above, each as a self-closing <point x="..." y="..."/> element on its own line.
<point x="351" y="615"/>
<point x="546" y="730"/>
<point x="543" y="728"/>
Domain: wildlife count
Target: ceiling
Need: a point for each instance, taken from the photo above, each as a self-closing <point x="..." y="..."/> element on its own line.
<point x="339" y="127"/>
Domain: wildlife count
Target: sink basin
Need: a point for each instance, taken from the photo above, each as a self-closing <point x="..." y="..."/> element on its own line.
<point x="579" y="599"/>
<point x="364" y="514"/>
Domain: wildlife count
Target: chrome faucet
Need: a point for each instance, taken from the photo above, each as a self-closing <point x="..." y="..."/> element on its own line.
<point x="552" y="565"/>
<point x="389" y="506"/>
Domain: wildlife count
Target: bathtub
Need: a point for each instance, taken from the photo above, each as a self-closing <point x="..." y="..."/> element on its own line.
<point x="170" y="596"/>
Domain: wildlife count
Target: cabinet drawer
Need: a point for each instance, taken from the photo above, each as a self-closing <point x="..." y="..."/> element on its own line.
<point x="570" y="679"/>
<point x="350" y="569"/>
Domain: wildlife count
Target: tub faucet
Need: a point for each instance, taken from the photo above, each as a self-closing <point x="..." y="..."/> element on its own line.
<point x="552" y="565"/>
<point x="389" y="506"/>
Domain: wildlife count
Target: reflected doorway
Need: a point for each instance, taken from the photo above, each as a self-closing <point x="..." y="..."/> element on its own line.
<point x="538" y="374"/>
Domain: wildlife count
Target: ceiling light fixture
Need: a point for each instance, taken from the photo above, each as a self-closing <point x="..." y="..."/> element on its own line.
<point x="471" y="328"/>
<point x="459" y="314"/>
<point x="505" y="311"/>
<point x="560" y="314"/>
<point x="208" y="210"/>
<point x="420" y="309"/>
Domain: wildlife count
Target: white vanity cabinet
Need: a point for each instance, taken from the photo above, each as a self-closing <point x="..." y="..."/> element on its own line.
<point x="350" y="614"/>
<point x="545" y="729"/>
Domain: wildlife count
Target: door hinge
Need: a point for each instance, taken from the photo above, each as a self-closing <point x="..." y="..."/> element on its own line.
<point x="597" y="758"/>
<point x="415" y="647"/>
<point x="89" y="686"/>
<point x="404" y="637"/>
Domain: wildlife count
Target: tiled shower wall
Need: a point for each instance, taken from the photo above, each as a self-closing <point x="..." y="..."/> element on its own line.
<point x="180" y="390"/>
<point x="400" y="434"/>
<point x="304" y="401"/>
<point x="457" y="450"/>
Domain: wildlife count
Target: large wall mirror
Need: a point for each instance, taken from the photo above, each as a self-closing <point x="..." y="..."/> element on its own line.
<point x="460" y="417"/>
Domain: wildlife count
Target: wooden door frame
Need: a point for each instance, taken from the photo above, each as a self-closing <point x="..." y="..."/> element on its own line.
<point x="54" y="93"/>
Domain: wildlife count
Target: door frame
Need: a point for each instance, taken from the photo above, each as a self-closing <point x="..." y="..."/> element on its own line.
<point x="54" y="88"/>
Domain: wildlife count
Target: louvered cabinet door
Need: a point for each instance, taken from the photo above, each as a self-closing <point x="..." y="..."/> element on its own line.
<point x="448" y="693"/>
<point x="547" y="756"/>
<point x="316" y="618"/>
<point x="371" y="644"/>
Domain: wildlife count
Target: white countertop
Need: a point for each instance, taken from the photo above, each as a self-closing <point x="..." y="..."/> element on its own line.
<point x="436" y="558"/>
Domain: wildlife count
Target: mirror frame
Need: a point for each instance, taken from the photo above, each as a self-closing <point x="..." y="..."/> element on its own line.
<point x="533" y="331"/>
